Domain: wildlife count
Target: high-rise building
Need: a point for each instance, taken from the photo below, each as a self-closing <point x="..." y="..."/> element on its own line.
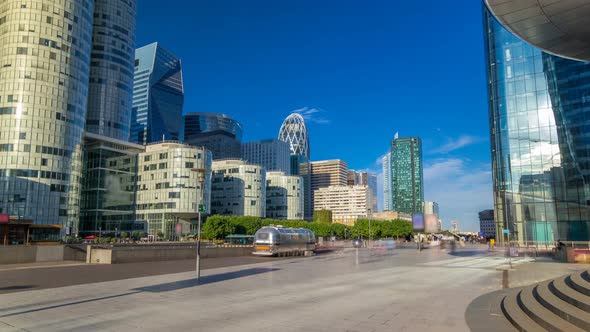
<point x="273" y="154"/>
<point x="218" y="133"/>
<point x="238" y="189"/>
<point x="110" y="90"/>
<point x="539" y="114"/>
<point x="168" y="187"/>
<point x="365" y="179"/>
<point x="294" y="132"/>
<point x="486" y="223"/>
<point x="284" y="196"/>
<point x="407" y="175"/>
<point x="347" y="203"/>
<point x="387" y="192"/>
<point x="327" y="173"/>
<point x="46" y="48"/>
<point x="430" y="208"/>
<point x="353" y="178"/>
<point x="158" y="95"/>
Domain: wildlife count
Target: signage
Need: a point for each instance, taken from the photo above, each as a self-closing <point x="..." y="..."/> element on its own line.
<point x="4" y="218"/>
<point x="178" y="229"/>
<point x="418" y="222"/>
<point x="431" y="223"/>
<point x="506" y="231"/>
<point x="202" y="208"/>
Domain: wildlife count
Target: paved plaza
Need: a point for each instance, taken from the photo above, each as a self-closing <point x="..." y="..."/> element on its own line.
<point x="404" y="290"/>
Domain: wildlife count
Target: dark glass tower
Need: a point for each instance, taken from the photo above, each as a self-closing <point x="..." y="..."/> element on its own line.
<point x="406" y="174"/>
<point x="539" y="111"/>
<point x="111" y="69"/>
<point x="158" y="95"/>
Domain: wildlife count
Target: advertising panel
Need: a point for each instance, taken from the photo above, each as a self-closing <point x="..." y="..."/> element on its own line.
<point x="418" y="222"/>
<point x="3" y="218"/>
<point x="431" y="223"/>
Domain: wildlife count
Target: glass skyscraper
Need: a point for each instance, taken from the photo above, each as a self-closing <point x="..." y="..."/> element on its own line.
<point x="111" y="69"/>
<point x="45" y="60"/>
<point x="158" y="95"/>
<point x="407" y="183"/>
<point x="219" y="133"/>
<point x="539" y="111"/>
<point x="387" y="193"/>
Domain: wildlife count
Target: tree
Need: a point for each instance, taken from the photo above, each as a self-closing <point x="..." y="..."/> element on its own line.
<point x="218" y="228"/>
<point x="160" y="234"/>
<point x="124" y="235"/>
<point x="324" y="216"/>
<point x="135" y="235"/>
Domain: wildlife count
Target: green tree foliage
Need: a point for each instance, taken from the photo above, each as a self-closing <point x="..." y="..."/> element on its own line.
<point x="218" y="228"/>
<point x="324" y="216"/>
<point x="124" y="235"/>
<point x="135" y="235"/>
<point x="381" y="229"/>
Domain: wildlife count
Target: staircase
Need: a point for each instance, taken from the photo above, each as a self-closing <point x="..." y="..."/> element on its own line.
<point x="561" y="304"/>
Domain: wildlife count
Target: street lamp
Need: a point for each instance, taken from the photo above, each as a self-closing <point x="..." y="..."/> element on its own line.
<point x="369" y="213"/>
<point x="201" y="208"/>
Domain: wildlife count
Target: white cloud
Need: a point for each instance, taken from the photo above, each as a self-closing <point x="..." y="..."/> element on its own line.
<point x="461" y="188"/>
<point x="455" y="144"/>
<point x="314" y="115"/>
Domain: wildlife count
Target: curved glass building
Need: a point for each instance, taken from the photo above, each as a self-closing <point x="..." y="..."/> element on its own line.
<point x="111" y="69"/>
<point x="294" y="132"/>
<point x="219" y="133"/>
<point x="43" y="96"/>
<point x="539" y="111"/>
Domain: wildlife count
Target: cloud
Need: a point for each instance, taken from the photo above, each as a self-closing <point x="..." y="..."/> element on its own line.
<point x="456" y="144"/>
<point x="461" y="187"/>
<point x="314" y="115"/>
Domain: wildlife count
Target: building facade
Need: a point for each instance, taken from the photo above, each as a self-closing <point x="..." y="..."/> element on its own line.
<point x="486" y="223"/>
<point x="110" y="88"/>
<point x="218" y="133"/>
<point x="387" y="192"/>
<point x="158" y="95"/>
<point x="294" y="131"/>
<point x="347" y="203"/>
<point x="272" y="154"/>
<point x="238" y="189"/>
<point x="46" y="47"/>
<point x="407" y="175"/>
<point x="284" y="196"/>
<point x="168" y="188"/>
<point x="430" y="208"/>
<point x="539" y="113"/>
<point x="108" y="186"/>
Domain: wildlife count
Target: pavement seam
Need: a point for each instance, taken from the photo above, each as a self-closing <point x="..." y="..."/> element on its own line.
<point x="12" y="326"/>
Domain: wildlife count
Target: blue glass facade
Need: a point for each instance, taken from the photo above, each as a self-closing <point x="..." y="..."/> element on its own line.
<point x="219" y="133"/>
<point x="158" y="95"/>
<point x="539" y="112"/>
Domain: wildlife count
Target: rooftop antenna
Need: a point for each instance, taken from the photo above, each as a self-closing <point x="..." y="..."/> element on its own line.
<point x="396" y="136"/>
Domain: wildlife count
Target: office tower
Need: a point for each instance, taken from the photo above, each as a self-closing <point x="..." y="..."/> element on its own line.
<point x="168" y="187"/>
<point x="539" y="114"/>
<point x="370" y="180"/>
<point x="347" y="203"/>
<point x="273" y="154"/>
<point x="108" y="186"/>
<point x="158" y="95"/>
<point x="294" y="131"/>
<point x="45" y="61"/>
<point x="430" y="208"/>
<point x="218" y="133"/>
<point x="110" y="88"/>
<point x="327" y="173"/>
<point x="486" y="223"/>
<point x="387" y="192"/>
<point x="284" y="196"/>
<point x="353" y="178"/>
<point x="238" y="189"/>
<point x="406" y="174"/>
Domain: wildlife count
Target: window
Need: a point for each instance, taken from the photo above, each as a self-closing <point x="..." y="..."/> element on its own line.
<point x="147" y="158"/>
<point x="173" y="195"/>
<point x="164" y="155"/>
<point x="163" y="166"/>
<point x="43" y="162"/>
<point x="22" y="136"/>
<point x="49" y="20"/>
<point x="21" y="50"/>
<point x="189" y="165"/>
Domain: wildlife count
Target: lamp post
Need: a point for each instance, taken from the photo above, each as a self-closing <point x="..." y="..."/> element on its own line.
<point x="200" y="207"/>
<point x="369" y="213"/>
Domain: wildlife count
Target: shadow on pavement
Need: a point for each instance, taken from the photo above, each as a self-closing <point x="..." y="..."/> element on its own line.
<point x="467" y="253"/>
<point x="171" y="286"/>
<point x="16" y="287"/>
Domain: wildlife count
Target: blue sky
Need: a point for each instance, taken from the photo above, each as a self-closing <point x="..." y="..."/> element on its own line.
<point x="359" y="71"/>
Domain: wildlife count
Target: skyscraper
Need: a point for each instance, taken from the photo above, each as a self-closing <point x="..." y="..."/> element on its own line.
<point x="406" y="174"/>
<point x="43" y="97"/>
<point x="158" y="95"/>
<point x="284" y="196"/>
<point x="219" y="133"/>
<point x="539" y="115"/>
<point x="294" y="132"/>
<point x="110" y="89"/>
<point x="387" y="192"/>
<point x="273" y="154"/>
<point x="238" y="189"/>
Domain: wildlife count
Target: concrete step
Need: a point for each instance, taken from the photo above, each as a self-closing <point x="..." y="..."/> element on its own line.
<point x="542" y="315"/>
<point x="567" y="293"/>
<point x="546" y="295"/>
<point x="517" y="317"/>
<point x="577" y="282"/>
